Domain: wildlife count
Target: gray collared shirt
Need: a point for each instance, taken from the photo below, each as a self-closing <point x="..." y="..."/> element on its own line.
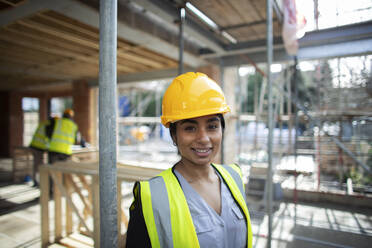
<point x="218" y="231"/>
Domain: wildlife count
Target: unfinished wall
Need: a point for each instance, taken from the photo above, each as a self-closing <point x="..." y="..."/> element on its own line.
<point x="93" y="131"/>
<point x="4" y="124"/>
<point x="43" y="108"/>
<point x="82" y="103"/>
<point x="230" y="146"/>
<point x="15" y="121"/>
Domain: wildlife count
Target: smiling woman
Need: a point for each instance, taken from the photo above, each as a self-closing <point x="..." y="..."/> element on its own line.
<point x="195" y="203"/>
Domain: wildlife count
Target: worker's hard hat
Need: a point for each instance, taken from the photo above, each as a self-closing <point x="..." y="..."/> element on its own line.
<point x="192" y="95"/>
<point x="69" y="112"/>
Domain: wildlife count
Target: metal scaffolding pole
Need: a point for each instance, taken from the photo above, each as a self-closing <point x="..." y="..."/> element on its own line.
<point x="269" y="52"/>
<point x="222" y="78"/>
<point x="294" y="83"/>
<point x="107" y="124"/>
<point x="181" y="41"/>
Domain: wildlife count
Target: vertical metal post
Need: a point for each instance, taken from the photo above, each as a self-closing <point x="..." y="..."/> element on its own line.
<point x="158" y="107"/>
<point x="256" y="113"/>
<point x="222" y="75"/>
<point x="239" y="110"/>
<point x="108" y="124"/>
<point x="316" y="14"/>
<point x="289" y="110"/>
<point x="295" y="85"/>
<point x="340" y="160"/>
<point x="180" y="61"/>
<point x="318" y="156"/>
<point x="269" y="184"/>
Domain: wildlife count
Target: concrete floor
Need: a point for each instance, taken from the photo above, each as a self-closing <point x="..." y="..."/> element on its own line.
<point x="302" y="225"/>
<point x="20" y="216"/>
<point x="321" y="225"/>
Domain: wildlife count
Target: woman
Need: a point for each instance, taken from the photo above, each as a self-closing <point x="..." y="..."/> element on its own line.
<point x="195" y="203"/>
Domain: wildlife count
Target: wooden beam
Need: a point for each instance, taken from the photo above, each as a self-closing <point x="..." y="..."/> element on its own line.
<point x="60" y="33"/>
<point x="86" y="186"/>
<point x="78" y="191"/>
<point x="47" y="39"/>
<point x="90" y="16"/>
<point x="60" y="19"/>
<point x="37" y="45"/>
<point x="69" y="200"/>
<point x="44" y="207"/>
<point x="138" y="59"/>
<point x="57" y="208"/>
<point x="69" y="221"/>
<point x="96" y="211"/>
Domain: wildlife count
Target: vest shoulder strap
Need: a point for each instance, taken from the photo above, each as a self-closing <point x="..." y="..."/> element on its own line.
<point x="166" y="212"/>
<point x="234" y="182"/>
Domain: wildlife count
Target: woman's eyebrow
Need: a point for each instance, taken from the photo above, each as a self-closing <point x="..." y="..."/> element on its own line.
<point x="213" y="119"/>
<point x="188" y="121"/>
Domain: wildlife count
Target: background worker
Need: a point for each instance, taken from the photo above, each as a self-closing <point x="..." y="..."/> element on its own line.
<point x="65" y="134"/>
<point x="39" y="145"/>
<point x="195" y="203"/>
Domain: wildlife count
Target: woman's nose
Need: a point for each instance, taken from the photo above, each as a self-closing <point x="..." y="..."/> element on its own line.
<point x="203" y="135"/>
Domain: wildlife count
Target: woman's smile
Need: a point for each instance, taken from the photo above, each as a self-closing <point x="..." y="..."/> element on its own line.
<point x="202" y="152"/>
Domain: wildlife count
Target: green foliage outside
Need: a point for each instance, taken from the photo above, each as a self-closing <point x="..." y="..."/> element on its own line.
<point x="254" y="81"/>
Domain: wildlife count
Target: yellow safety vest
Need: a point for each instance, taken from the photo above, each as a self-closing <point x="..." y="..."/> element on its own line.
<point x="167" y="215"/>
<point x="63" y="136"/>
<point x="40" y="140"/>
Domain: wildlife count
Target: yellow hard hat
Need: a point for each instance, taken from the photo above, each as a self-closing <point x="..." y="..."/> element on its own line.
<point x="192" y="95"/>
<point x="69" y="112"/>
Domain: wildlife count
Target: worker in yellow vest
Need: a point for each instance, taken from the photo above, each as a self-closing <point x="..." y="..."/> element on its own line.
<point x="39" y="145"/>
<point x="65" y="134"/>
<point x="196" y="203"/>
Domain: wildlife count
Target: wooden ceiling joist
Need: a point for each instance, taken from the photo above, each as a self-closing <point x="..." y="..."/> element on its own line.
<point x="36" y="46"/>
<point x="60" y="33"/>
<point x="45" y="45"/>
<point x="54" y="17"/>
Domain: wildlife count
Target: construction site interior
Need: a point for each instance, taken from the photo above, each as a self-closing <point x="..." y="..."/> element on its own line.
<point x="321" y="102"/>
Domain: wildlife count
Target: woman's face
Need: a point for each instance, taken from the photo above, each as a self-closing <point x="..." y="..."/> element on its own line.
<point x="199" y="139"/>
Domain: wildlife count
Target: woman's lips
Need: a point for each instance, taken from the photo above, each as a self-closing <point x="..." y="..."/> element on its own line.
<point x="202" y="152"/>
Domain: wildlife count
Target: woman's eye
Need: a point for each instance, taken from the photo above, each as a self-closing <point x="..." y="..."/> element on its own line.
<point x="212" y="126"/>
<point x="190" y="128"/>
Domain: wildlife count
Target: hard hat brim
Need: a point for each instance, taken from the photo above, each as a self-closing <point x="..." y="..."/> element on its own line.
<point x="166" y="120"/>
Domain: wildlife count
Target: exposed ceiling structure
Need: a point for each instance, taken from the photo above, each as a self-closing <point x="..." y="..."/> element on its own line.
<point x="52" y="42"/>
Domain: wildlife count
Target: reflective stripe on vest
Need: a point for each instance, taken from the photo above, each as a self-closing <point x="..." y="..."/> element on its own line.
<point x="168" y="218"/>
<point x="166" y="212"/>
<point x="40" y="139"/>
<point x="63" y="136"/>
<point x="235" y="184"/>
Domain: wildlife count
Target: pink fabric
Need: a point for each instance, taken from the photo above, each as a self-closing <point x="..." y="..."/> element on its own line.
<point x="293" y="24"/>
